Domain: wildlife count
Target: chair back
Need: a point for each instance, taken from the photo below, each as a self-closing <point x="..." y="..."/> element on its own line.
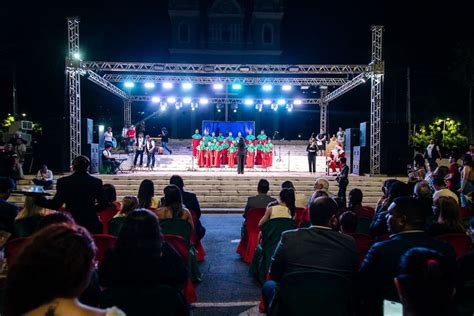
<point x="314" y="293"/>
<point x="178" y="227"/>
<point x="160" y="300"/>
<point x="461" y="242"/>
<point x="301" y="216"/>
<point x="103" y="243"/>
<point x="105" y="216"/>
<point x="249" y="240"/>
<point x="115" y="225"/>
<point x="200" y="252"/>
<point x="179" y="244"/>
<point x="363" y="244"/>
<point x="14" y="247"/>
<point x="363" y="224"/>
<point x="254" y="215"/>
<point x="25" y="227"/>
<point x="464" y="212"/>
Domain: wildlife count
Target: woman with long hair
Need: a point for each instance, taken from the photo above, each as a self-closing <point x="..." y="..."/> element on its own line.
<point x="467" y="179"/>
<point x="173" y="206"/>
<point x="51" y="272"/>
<point x="140" y="257"/>
<point x="285" y="207"/>
<point x="29" y="217"/>
<point x="129" y="204"/>
<point x="146" y="195"/>
<point x="449" y="221"/>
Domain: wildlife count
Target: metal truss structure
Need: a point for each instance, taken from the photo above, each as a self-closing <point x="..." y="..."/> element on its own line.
<point x="227" y="80"/>
<point x="105" y="74"/>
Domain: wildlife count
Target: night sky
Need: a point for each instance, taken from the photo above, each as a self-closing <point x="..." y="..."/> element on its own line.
<point x="422" y="37"/>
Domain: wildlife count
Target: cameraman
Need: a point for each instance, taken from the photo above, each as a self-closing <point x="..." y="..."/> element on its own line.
<point x="343" y="180"/>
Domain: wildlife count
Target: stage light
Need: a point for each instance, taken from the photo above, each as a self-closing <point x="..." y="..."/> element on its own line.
<point x="244" y="68"/>
<point x="186" y="100"/>
<point x="286" y="87"/>
<point x="24" y="115"/>
<point x="178" y="105"/>
<point x="297" y="102"/>
<point x="163" y="106"/>
<point x="235" y="110"/>
<point x="248" y="102"/>
<point x="149" y="85"/>
<point x="187" y="86"/>
<point x="236" y="86"/>
<point x="281" y="102"/>
<point x="218" y="110"/>
<point x="290" y="108"/>
<point x="171" y="100"/>
<point x="218" y="86"/>
<point x="129" y="84"/>
<point x="304" y="87"/>
<point x="267" y="87"/>
<point x="155" y="99"/>
<point x="203" y="101"/>
<point x="167" y="85"/>
<point x="101" y="129"/>
<point x="267" y="101"/>
<point x="294" y="69"/>
<point x="363" y="80"/>
<point x="76" y="56"/>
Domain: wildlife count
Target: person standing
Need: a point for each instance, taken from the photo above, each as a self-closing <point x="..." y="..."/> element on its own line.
<point x="343" y="180"/>
<point x="321" y="142"/>
<point x="241" y="154"/>
<point x="139" y="148"/>
<point x="467" y="179"/>
<point x="108" y="137"/>
<point x="44" y="178"/>
<point x="150" y="149"/>
<point x="164" y="139"/>
<point x="341" y="137"/>
<point x="432" y="153"/>
<point x="131" y="135"/>
<point x="196" y="140"/>
<point x="311" y="149"/>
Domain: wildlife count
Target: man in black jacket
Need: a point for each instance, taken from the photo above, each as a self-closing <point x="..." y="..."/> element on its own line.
<point x="82" y="194"/>
<point x="406" y="222"/>
<point x="262" y="199"/>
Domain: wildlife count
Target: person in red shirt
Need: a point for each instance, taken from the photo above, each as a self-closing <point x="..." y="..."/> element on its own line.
<point x="131" y="135"/>
<point x="453" y="177"/>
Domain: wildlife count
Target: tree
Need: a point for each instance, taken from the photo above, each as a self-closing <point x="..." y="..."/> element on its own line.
<point x="447" y="132"/>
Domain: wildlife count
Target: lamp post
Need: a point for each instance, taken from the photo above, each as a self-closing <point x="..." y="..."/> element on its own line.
<point x="444" y="128"/>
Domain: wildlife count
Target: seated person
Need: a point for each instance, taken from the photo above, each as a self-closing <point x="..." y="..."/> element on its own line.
<point x="355" y="204"/>
<point x="320" y="184"/>
<point x="406" y="222"/>
<point x="316" y="248"/>
<point x="441" y="189"/>
<point x="423" y="194"/>
<point x="300" y="199"/>
<point x="284" y="207"/>
<point x="348" y="222"/>
<point x="8" y="211"/>
<point x="55" y="218"/>
<point x="173" y="206"/>
<point x="425" y="284"/>
<point x="129" y="204"/>
<point x="108" y="160"/>
<point x="262" y="199"/>
<point x="44" y="178"/>
<point x="140" y="257"/>
<point x="36" y="281"/>
<point x="29" y="217"/>
<point x="449" y="221"/>
<point x="146" y="195"/>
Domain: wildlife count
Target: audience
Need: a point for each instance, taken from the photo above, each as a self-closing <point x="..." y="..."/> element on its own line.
<point x="110" y="196"/>
<point x="262" y="199"/>
<point x="320" y="185"/>
<point x="348" y="222"/>
<point x="422" y="192"/>
<point x="406" y="222"/>
<point x="44" y="178"/>
<point x="467" y="179"/>
<point x="55" y="218"/>
<point x="449" y="221"/>
<point x="454" y="177"/>
<point x="316" y="248"/>
<point x="140" y="257"/>
<point x="129" y="204"/>
<point x="50" y="273"/>
<point x="300" y="199"/>
<point x="146" y="195"/>
<point x="173" y="206"/>
<point x="82" y="194"/>
<point x="425" y="284"/>
<point x="418" y="172"/>
<point x="355" y="204"/>
<point x="441" y="189"/>
<point x="29" y="217"/>
<point x="284" y="207"/>
<point x="8" y="211"/>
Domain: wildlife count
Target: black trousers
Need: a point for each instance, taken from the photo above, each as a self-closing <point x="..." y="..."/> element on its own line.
<point x="150" y="159"/>
<point x="240" y="164"/>
<point x="312" y="162"/>
<point x="138" y="153"/>
<point x="341" y="194"/>
<point x="43" y="183"/>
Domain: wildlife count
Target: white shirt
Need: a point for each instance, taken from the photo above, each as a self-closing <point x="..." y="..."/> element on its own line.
<point x="150" y="144"/>
<point x="445" y="192"/>
<point x="45" y="176"/>
<point x="340" y="137"/>
<point x="140" y="143"/>
<point x="429" y="150"/>
<point x="108" y="136"/>
<point x="107" y="154"/>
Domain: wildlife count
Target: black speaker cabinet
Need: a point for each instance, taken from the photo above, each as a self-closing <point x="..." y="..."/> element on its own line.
<point x="87" y="131"/>
<point x="351" y="140"/>
<point x="92" y="152"/>
<point x="360" y="160"/>
<point x="364" y="137"/>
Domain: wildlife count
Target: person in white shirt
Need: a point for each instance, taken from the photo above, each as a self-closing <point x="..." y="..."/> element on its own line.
<point x="150" y="151"/>
<point x="432" y="153"/>
<point x="108" y="160"/>
<point x="44" y="178"/>
<point x="108" y="137"/>
<point x="341" y="137"/>
<point x="139" y="148"/>
<point x="439" y="185"/>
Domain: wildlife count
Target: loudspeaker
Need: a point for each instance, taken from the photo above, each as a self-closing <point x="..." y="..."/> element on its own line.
<point x="360" y="160"/>
<point x="87" y="131"/>
<point x="351" y="140"/>
<point x="395" y="152"/>
<point x="92" y="152"/>
<point x="364" y="137"/>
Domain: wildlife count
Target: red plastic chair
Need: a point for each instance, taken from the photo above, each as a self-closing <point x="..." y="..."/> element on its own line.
<point x="460" y="242"/>
<point x="105" y="216"/>
<point x="14" y="247"/>
<point x="363" y="244"/>
<point x="200" y="252"/>
<point x="301" y="216"/>
<point x="103" y="243"/>
<point x="181" y="246"/>
<point x="464" y="212"/>
<point x="248" y="243"/>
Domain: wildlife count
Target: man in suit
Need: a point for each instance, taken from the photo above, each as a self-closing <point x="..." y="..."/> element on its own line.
<point x="82" y="194"/>
<point x="316" y="248"/>
<point x="8" y="211"/>
<point x="405" y="222"/>
<point x="262" y="199"/>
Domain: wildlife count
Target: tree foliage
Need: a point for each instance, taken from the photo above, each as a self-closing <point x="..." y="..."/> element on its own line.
<point x="447" y="132"/>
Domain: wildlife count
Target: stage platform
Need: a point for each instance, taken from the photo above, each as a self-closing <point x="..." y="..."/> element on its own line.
<point x="224" y="191"/>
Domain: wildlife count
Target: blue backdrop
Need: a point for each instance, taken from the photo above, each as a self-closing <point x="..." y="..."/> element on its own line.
<point x="221" y="126"/>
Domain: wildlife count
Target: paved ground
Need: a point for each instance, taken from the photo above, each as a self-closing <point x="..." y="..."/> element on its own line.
<point x="227" y="288"/>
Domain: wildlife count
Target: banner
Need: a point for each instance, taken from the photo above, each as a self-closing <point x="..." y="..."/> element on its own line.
<point x="225" y="127"/>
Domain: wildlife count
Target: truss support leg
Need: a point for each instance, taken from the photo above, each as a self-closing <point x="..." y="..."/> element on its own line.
<point x="323" y="107"/>
<point x="376" y="96"/>
<point x="74" y="87"/>
<point x="127" y="112"/>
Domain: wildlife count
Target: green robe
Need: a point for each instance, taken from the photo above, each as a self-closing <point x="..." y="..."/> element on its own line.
<point x="250" y="137"/>
<point x="196" y="136"/>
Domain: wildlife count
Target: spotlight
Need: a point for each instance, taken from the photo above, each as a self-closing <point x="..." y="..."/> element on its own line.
<point x="297" y="102"/>
<point x="218" y="110"/>
<point x="171" y="100"/>
<point x="163" y="106"/>
<point x="167" y="85"/>
<point x="187" y="86"/>
<point x="218" y="86"/>
<point x="235" y="110"/>
<point x="286" y="87"/>
<point x="281" y="102"/>
<point x="149" y="85"/>
<point x="129" y="84"/>
<point x="267" y="87"/>
<point x="186" y="100"/>
<point x="236" y="86"/>
<point x="155" y="99"/>
<point x="24" y="115"/>
<point x="244" y="69"/>
<point x="248" y="102"/>
<point x="267" y="101"/>
<point x="178" y="105"/>
<point x="290" y="108"/>
<point x="363" y="80"/>
<point x="203" y="101"/>
<point x="76" y="56"/>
